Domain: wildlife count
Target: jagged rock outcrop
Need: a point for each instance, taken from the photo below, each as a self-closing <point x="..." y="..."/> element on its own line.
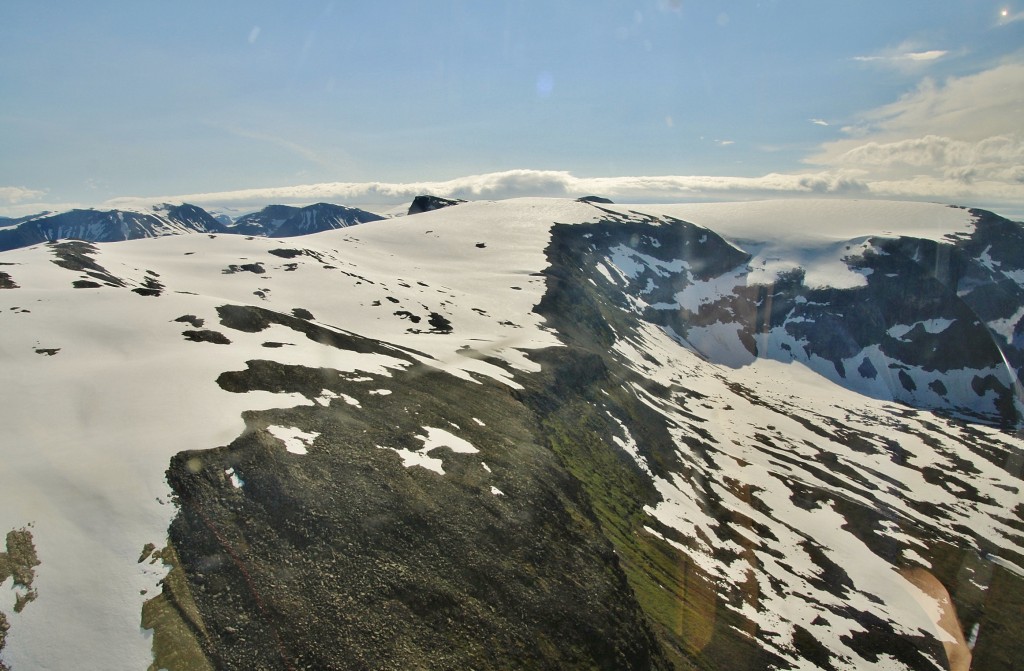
<point x="431" y="203"/>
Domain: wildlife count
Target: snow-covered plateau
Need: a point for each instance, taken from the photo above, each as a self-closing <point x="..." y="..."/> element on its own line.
<point x="533" y="433"/>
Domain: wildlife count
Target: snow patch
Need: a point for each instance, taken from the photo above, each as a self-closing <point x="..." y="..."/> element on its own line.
<point x="295" y="440"/>
<point x="236" y="481"/>
<point x="418" y="458"/>
<point x="436" y="438"/>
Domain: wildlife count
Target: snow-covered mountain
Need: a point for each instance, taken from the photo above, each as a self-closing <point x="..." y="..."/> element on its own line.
<point x="275" y="221"/>
<point x="108" y="225"/>
<point x="532" y="433"/>
<point x="282" y="221"/>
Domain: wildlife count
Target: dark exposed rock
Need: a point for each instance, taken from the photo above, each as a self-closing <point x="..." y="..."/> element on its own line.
<point x="430" y="203"/>
<point x="196" y="322"/>
<point x="77" y="256"/>
<point x="907" y="381"/>
<point x="867" y="369"/>
<point x="252" y="319"/>
<point x="206" y="335"/>
<point x="286" y="253"/>
<point x="405" y="314"/>
<point x="256" y="268"/>
<point x="350" y="559"/>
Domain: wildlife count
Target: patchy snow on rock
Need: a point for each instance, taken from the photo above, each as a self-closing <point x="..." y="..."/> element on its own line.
<point x="629" y="446"/>
<point x="103" y="384"/>
<point x="1006" y="327"/>
<point x="417" y="458"/>
<point x="930" y="326"/>
<point x="325" y="397"/>
<point x="767" y="444"/>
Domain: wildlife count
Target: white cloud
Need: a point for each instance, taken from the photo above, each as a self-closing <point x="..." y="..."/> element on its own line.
<point x="906" y="56"/>
<point x="1001" y="192"/>
<point x="18" y="194"/>
<point x="515" y="183"/>
<point x="909" y="56"/>
<point x="973" y="107"/>
<point x="819" y="122"/>
<point x="999" y="157"/>
<point x="957" y="139"/>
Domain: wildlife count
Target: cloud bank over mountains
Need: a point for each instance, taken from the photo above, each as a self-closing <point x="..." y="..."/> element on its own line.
<point x="957" y="140"/>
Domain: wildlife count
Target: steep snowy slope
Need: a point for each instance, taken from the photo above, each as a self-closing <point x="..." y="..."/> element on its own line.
<point x="901" y="301"/>
<point x="530" y="433"/>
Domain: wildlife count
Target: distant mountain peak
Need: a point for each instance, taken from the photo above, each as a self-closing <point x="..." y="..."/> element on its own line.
<point x="282" y="221"/>
<point x="429" y="203"/>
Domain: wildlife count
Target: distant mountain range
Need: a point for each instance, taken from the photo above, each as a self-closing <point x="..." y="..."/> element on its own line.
<point x="284" y="221"/>
<point x="274" y="221"/>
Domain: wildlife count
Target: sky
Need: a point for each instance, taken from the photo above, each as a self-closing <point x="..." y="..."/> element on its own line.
<point x="232" y="105"/>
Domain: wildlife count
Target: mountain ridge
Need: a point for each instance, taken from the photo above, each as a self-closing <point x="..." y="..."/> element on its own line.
<point x="92" y="225"/>
<point x="349" y="485"/>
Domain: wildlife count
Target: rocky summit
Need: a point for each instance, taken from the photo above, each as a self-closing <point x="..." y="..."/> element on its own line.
<point x="523" y="434"/>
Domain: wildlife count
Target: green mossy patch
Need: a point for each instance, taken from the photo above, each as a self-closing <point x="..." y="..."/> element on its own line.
<point x="18" y="562"/>
<point x="174" y="619"/>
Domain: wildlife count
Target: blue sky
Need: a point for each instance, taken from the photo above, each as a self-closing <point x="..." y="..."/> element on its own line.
<point x="237" y="103"/>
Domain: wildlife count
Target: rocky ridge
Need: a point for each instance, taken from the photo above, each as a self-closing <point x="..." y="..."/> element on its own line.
<point x="593" y="457"/>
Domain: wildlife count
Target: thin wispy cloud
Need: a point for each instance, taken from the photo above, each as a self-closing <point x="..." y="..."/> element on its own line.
<point x="906" y="56"/>
<point x="912" y="57"/>
<point x="819" y="122"/>
<point x="283" y="143"/>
